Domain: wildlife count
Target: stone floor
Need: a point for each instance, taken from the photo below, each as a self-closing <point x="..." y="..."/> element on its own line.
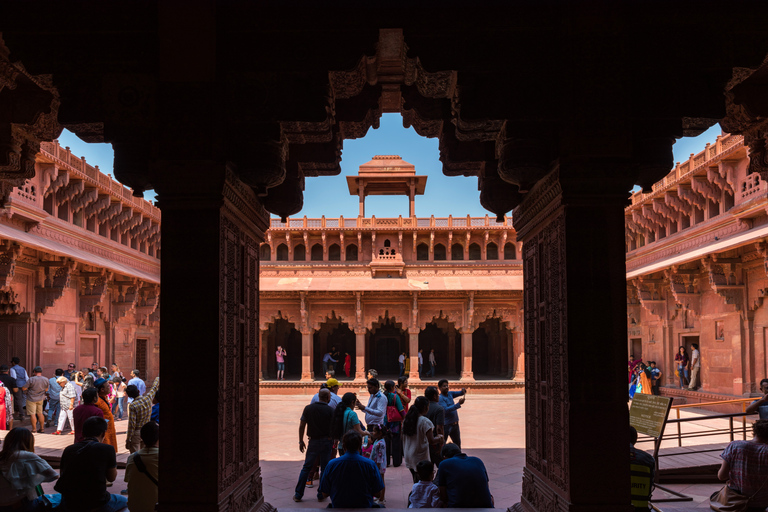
<point x="493" y="428"/>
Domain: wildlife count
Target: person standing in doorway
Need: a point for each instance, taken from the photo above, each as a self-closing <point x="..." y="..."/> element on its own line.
<point x="328" y="361"/>
<point x="682" y="362"/>
<point x="280" y="356"/>
<point x="432" y="363"/>
<point x="401" y="360"/>
<point x="421" y="361"/>
<point x="695" y="367"/>
<point x="347" y="363"/>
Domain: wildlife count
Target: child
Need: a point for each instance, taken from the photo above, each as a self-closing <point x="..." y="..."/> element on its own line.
<point x="425" y="494"/>
<point x="379" y="453"/>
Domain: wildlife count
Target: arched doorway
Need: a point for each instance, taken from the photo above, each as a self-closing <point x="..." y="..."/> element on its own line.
<point x="490" y="349"/>
<point x="283" y="333"/>
<point x="446" y="342"/>
<point x="336" y="337"/>
<point x="386" y="341"/>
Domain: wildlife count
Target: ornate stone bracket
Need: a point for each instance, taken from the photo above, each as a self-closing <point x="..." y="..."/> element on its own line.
<point x="691" y="197"/>
<point x="95" y="290"/>
<point x="683" y="284"/>
<point x="53" y="182"/>
<point x="661" y="207"/>
<point x="674" y="201"/>
<point x="650" y="295"/>
<point x="86" y="198"/>
<point x="725" y="280"/>
<point x="127" y="298"/>
<point x="705" y="188"/>
<point x="70" y="191"/>
<point x="149" y="300"/>
<point x="54" y="283"/>
<point x="110" y="212"/>
<point x="96" y="206"/>
<point x="9" y="252"/>
<point x="722" y="176"/>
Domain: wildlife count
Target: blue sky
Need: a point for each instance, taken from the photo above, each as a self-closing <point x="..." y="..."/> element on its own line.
<point x="329" y="196"/>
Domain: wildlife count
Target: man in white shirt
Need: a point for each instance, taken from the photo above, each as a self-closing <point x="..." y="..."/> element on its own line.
<point x="432" y="363"/>
<point x="333" y="386"/>
<point x="401" y="360"/>
<point x="421" y="362"/>
<point x="695" y="366"/>
<point x="376" y="410"/>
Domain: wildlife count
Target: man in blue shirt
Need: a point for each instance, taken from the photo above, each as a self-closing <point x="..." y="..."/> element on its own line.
<point x="327" y="360"/>
<point x="462" y="480"/>
<point x="451" y="426"/>
<point x="53" y="399"/>
<point x="136" y="381"/>
<point x="352" y="481"/>
<point x="19" y="398"/>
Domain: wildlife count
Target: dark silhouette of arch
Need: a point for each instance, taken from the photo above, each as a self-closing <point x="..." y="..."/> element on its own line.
<point x="334" y="253"/>
<point x="422" y="252"/>
<point x="457" y="252"/>
<point x="510" y="252"/>
<point x="317" y="253"/>
<point x="300" y="253"/>
<point x="351" y="252"/>
<point x="387" y="243"/>
<point x="474" y="251"/>
<point x="282" y="252"/>
<point x="265" y="252"/>
<point x="491" y="251"/>
<point x="439" y="252"/>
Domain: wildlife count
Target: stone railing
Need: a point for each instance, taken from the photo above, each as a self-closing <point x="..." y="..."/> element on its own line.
<point x="682" y="171"/>
<point x="432" y="222"/>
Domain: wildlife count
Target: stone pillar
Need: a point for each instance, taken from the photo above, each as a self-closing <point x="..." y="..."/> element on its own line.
<point x="212" y="227"/>
<point x="466" y="355"/>
<point x="512" y="356"/>
<point x="361" y="195"/>
<point x="504" y="351"/>
<point x="413" y="354"/>
<point x="360" y="354"/>
<point x="575" y="278"/>
<point x="412" y="200"/>
<point x="306" y="355"/>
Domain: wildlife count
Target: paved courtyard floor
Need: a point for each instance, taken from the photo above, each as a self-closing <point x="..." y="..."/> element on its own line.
<point x="492" y="428"/>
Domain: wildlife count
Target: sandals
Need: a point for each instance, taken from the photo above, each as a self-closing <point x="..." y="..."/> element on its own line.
<point x="57" y="433"/>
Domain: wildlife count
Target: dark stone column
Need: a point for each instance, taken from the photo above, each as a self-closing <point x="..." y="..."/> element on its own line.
<point x="575" y="318"/>
<point x="212" y="227"/>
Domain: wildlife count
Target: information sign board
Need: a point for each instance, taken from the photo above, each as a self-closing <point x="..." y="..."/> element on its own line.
<point x="648" y="413"/>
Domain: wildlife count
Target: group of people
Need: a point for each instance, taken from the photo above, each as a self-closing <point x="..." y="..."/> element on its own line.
<point x="398" y="427"/>
<point x="92" y="400"/>
<point x="404" y="363"/>
<point x="646" y="377"/>
<point x="643" y="378"/>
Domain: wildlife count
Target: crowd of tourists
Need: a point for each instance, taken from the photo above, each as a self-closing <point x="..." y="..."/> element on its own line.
<point x="352" y="457"/>
<point x="90" y="401"/>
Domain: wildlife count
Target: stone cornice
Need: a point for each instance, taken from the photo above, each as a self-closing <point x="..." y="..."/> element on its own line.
<point x="540" y="202"/>
<point x="244" y="200"/>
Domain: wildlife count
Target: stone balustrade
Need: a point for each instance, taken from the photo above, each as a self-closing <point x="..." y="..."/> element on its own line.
<point x="393" y="222"/>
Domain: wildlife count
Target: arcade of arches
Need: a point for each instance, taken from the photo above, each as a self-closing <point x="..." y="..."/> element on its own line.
<point x="226" y="110"/>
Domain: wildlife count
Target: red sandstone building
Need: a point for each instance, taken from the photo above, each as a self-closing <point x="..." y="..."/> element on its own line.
<point x="378" y="287"/>
<point x="80" y="269"/>
<point x="697" y="264"/>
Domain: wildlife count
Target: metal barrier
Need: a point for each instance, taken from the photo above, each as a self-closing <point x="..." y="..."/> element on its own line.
<point x="743" y="415"/>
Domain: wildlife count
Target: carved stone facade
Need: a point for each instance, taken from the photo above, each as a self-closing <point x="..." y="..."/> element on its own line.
<point x="374" y="288"/>
<point x="697" y="271"/>
<point x="78" y="286"/>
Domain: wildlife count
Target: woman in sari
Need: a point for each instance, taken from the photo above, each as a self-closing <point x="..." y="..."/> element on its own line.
<point x="103" y="387"/>
<point x="3" y="393"/>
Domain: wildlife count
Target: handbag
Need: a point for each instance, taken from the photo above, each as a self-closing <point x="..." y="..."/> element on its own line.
<point x="393" y="414"/>
<point x="728" y="500"/>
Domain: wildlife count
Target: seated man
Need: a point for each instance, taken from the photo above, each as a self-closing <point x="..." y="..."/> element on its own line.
<point x="352" y="481"/>
<point x="86" y="467"/>
<point x="141" y="471"/>
<point x="462" y="480"/>
<point x="641" y="469"/>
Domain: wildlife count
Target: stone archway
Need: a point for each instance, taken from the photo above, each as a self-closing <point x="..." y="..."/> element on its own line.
<point x="387" y="339"/>
<point x="491" y="342"/>
<point x="334" y="336"/>
<point x="283" y="333"/>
